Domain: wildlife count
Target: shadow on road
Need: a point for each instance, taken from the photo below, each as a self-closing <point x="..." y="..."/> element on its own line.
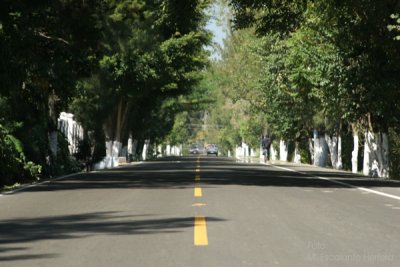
<point x="28" y="230"/>
<point x="179" y="173"/>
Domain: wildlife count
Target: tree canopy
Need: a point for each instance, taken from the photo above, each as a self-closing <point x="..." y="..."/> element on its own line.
<point x="119" y="66"/>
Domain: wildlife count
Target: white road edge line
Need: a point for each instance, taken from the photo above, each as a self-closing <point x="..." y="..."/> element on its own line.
<point x="342" y="183"/>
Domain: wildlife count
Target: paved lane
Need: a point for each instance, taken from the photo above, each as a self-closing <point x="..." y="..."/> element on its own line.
<point x="243" y="214"/>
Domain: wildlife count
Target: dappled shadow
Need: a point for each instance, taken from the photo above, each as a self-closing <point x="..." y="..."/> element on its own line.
<point x="27" y="257"/>
<point x="151" y="175"/>
<point x="28" y="230"/>
<point x="218" y="172"/>
<point x="179" y="173"/>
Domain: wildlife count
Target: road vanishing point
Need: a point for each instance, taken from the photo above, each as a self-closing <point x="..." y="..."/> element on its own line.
<point x="203" y="211"/>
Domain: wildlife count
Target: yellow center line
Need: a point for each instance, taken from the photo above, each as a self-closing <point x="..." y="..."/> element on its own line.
<point x="197" y="192"/>
<point x="200" y="228"/>
<point x="199" y="205"/>
<point x="200" y="231"/>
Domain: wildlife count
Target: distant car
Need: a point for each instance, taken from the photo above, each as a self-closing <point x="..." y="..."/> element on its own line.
<point x="212" y="149"/>
<point x="194" y="150"/>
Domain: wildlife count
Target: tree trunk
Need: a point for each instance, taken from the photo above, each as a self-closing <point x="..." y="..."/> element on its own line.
<point x="273" y="153"/>
<point x="339" y="164"/>
<point x="376" y="155"/>
<point x="354" y="153"/>
<point x="116" y="132"/>
<point x="320" y="151"/>
<point x="297" y="156"/>
<point x="311" y="148"/>
<point x="134" y="148"/>
<point x="53" y="143"/>
<point x="113" y="149"/>
<point x="52" y="101"/>
<point x="168" y="148"/>
<point x="159" y="151"/>
<point x="146" y="148"/>
<point x="367" y="154"/>
<point x="385" y="171"/>
<point x="283" y="150"/>
<point x="335" y="148"/>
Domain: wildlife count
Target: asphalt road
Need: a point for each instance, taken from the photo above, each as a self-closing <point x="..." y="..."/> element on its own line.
<point x="203" y="212"/>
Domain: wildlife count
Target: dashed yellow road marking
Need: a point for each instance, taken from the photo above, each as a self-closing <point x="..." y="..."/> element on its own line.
<point x="199" y="205"/>
<point x="200" y="231"/>
<point x="200" y="228"/>
<point x="197" y="192"/>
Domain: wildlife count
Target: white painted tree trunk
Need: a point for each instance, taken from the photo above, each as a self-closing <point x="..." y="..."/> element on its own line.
<point x="146" y="148"/>
<point x="159" y="151"/>
<point x="320" y="151"/>
<point x="385" y="171"/>
<point x="245" y="149"/>
<point x="297" y="156"/>
<point x="335" y="148"/>
<point x="283" y="150"/>
<point x="332" y="145"/>
<point x="311" y="148"/>
<point x="367" y="163"/>
<point x="273" y="153"/>
<point x="354" y="153"/>
<point x="174" y="151"/>
<point x="238" y="151"/>
<point x="339" y="164"/>
<point x="113" y="149"/>
<point x="376" y="155"/>
<point x="116" y="152"/>
<point x="130" y="145"/>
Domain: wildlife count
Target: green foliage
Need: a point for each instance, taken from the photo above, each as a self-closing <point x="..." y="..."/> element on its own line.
<point x="268" y="16"/>
<point x="396" y="26"/>
<point x="305" y="156"/>
<point x="180" y="133"/>
<point x="45" y="48"/>
<point x="235" y="114"/>
<point x="13" y="164"/>
<point x="394" y="141"/>
<point x="324" y="64"/>
<point x="119" y="66"/>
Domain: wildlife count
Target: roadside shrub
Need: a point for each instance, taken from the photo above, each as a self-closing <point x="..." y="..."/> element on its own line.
<point x="13" y="165"/>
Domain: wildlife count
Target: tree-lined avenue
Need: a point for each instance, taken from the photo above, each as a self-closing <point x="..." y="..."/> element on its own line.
<point x="256" y="215"/>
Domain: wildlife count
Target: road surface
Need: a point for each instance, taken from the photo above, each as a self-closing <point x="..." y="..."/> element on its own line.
<point x="203" y="211"/>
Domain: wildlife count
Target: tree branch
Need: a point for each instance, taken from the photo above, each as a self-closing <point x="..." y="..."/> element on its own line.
<point x="42" y="34"/>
